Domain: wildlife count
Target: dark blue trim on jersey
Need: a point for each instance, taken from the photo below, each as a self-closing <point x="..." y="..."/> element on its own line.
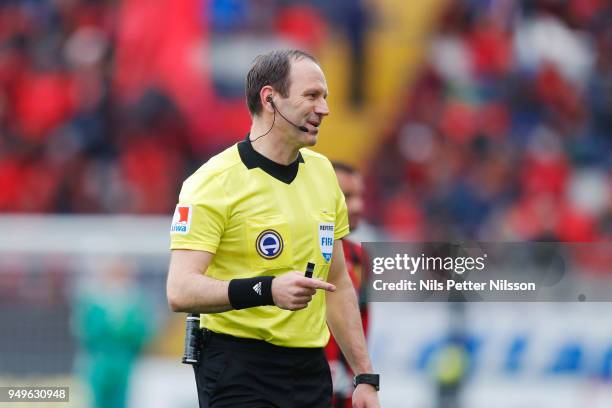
<point x="253" y="159"/>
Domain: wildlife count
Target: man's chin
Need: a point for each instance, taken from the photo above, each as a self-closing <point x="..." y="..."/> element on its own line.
<point x="310" y="138"/>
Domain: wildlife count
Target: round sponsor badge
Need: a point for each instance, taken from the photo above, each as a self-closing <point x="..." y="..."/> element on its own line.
<point x="269" y="244"/>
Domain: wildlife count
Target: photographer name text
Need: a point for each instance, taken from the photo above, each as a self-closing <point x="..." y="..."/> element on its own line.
<point x="502" y="285"/>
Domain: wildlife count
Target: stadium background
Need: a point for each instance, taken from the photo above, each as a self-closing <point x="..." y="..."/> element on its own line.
<point x="481" y="120"/>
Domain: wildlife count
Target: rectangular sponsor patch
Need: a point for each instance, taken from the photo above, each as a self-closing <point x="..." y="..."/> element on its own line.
<point x="181" y="221"/>
<point x="326" y="239"/>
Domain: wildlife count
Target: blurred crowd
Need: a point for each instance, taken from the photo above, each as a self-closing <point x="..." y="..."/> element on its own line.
<point x="507" y="133"/>
<point x="106" y="106"/>
<point x="69" y="140"/>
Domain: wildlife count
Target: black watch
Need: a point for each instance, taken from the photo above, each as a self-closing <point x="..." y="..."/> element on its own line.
<point x="372" y="379"/>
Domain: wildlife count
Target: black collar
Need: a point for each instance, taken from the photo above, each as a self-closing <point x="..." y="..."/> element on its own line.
<point x="252" y="159"/>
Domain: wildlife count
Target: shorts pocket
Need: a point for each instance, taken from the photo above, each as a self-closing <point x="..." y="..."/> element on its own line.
<point x="214" y="364"/>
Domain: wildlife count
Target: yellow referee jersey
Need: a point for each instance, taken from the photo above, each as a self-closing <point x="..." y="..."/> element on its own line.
<point x="261" y="218"/>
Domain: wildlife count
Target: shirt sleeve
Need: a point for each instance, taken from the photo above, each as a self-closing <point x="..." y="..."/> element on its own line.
<point x="201" y="214"/>
<point x="342" y="225"/>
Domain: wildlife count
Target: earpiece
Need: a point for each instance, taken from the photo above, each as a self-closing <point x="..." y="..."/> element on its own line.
<point x="271" y="102"/>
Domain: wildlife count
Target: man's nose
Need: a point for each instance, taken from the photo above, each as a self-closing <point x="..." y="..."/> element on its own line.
<point x="321" y="108"/>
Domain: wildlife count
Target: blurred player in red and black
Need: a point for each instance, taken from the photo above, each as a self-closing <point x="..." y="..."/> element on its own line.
<point x="351" y="184"/>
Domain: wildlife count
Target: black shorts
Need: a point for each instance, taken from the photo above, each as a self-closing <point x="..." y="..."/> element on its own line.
<point x="245" y="373"/>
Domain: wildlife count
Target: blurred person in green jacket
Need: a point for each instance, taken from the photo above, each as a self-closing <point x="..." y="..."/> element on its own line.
<point x="112" y="322"/>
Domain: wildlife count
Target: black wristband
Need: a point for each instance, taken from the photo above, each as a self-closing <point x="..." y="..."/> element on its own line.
<point x="372" y="379"/>
<point x="250" y="292"/>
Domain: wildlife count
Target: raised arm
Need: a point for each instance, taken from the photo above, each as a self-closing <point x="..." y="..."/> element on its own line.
<point x="190" y="290"/>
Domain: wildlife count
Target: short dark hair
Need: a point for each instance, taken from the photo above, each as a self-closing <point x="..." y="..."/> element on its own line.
<point x="341" y="166"/>
<point x="271" y="69"/>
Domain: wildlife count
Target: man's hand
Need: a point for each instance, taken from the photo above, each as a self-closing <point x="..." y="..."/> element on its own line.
<point x="365" y="396"/>
<point x="293" y="291"/>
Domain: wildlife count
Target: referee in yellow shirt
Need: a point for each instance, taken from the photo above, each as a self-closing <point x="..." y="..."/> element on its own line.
<point x="246" y="225"/>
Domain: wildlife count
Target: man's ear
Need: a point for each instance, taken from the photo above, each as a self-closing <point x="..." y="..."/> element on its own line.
<point x="267" y="98"/>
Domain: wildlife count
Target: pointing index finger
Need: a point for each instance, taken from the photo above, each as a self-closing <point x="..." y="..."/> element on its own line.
<point x="319" y="284"/>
